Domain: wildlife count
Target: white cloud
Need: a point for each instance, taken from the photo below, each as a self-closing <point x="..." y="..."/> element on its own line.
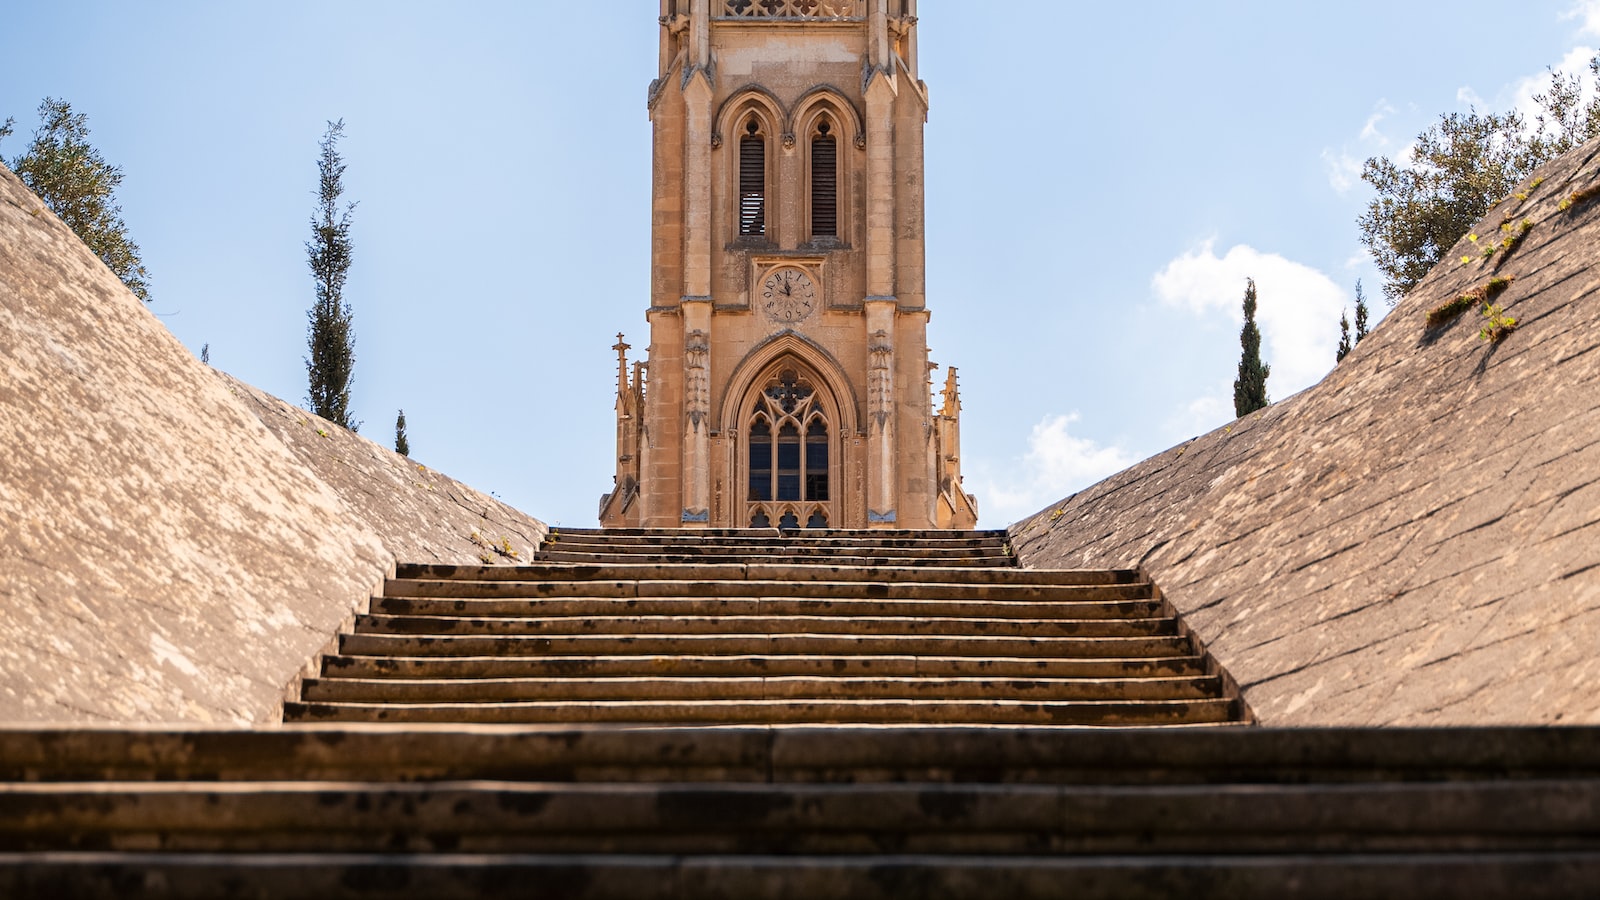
<point x="1057" y="464"/>
<point x="1202" y="415"/>
<point x="1369" y="132"/>
<point x="1344" y="170"/>
<point x="1587" y="12"/>
<point x="1298" y="306"/>
<point x="1344" y="164"/>
<point x="1576" y="62"/>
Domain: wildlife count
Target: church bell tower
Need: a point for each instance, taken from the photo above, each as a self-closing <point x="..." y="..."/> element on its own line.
<point x="787" y="382"/>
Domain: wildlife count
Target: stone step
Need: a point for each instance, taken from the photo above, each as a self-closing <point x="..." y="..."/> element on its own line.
<point x="821" y="710"/>
<point x="769" y="624"/>
<point x="775" y="606"/>
<point x="758" y="552"/>
<point x="691" y="541"/>
<point x="1195" y="757"/>
<point x="702" y="666"/>
<point x="918" y="589"/>
<point x="508" y="817"/>
<point x="758" y="572"/>
<point x="713" y="557"/>
<point x="463" y="690"/>
<point x="763" y="644"/>
<point x="908" y="536"/>
<point x="449" y="876"/>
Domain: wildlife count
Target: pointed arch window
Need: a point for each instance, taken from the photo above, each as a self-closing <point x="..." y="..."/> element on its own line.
<point x="824" y="183"/>
<point x="752" y="181"/>
<point x="788" y="445"/>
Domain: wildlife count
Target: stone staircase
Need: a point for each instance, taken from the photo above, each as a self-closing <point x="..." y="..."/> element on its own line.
<point x="754" y="627"/>
<point x="799" y="812"/>
<point x="748" y="715"/>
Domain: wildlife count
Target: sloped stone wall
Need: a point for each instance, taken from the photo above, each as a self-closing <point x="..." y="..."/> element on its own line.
<point x="422" y="516"/>
<point x="1416" y="539"/>
<point x="164" y="556"/>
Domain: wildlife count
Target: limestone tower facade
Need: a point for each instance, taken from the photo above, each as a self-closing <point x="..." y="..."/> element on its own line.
<point x="787" y="381"/>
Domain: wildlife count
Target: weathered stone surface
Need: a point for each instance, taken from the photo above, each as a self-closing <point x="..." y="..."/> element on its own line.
<point x="163" y="556"/>
<point x="421" y="515"/>
<point x="1415" y="540"/>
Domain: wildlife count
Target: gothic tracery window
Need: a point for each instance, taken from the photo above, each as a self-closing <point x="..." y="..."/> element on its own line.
<point x="788" y="454"/>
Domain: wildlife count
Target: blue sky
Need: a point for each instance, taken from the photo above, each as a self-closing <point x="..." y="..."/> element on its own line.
<point x="1088" y="287"/>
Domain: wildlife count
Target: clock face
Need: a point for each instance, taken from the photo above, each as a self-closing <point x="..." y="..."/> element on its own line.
<point x="788" y="294"/>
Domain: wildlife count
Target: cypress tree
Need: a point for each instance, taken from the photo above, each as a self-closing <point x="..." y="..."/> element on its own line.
<point x="1344" y="338"/>
<point x="402" y="444"/>
<point x="1361" y="313"/>
<point x="330" y="337"/>
<point x="1250" y="389"/>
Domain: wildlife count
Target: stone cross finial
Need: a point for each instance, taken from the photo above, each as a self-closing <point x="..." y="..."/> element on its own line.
<point x="622" y="348"/>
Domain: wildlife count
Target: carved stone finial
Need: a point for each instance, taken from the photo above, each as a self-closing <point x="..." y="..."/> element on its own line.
<point x="952" y="394"/>
<point x="622" y="347"/>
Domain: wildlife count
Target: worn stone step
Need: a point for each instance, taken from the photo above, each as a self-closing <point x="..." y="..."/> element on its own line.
<point x="703" y="666"/>
<point x="759" y="572"/>
<point x="458" y="690"/>
<point x="770" y="624"/>
<point x="844" y="534"/>
<point x="756" y="553"/>
<point x="691" y="544"/>
<point x="777" y="606"/>
<point x="458" y="876"/>
<point x="920" y="589"/>
<point x="709" y="557"/>
<point x="794" y="710"/>
<point x="971" y="754"/>
<point x="501" y="817"/>
<point x="781" y="644"/>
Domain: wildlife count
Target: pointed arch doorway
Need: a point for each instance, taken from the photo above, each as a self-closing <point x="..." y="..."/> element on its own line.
<point x="790" y="461"/>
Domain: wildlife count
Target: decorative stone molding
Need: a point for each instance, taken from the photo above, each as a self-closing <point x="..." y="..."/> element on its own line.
<point x="792" y="9"/>
<point x="788" y="140"/>
<point x="880" y="378"/>
<point x="697" y="350"/>
<point x="716" y="140"/>
<point x="861" y="140"/>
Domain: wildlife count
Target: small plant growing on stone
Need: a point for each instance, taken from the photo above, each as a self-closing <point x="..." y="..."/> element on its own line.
<point x="1578" y="198"/>
<point x="1497" y="324"/>
<point x="1481" y="294"/>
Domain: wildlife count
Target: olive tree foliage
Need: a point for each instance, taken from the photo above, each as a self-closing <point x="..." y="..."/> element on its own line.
<point x="329" y="334"/>
<point x="1459" y="168"/>
<point x="79" y="186"/>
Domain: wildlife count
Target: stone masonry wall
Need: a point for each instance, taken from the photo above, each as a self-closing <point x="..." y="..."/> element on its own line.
<point x="1416" y="539"/>
<point x="164" y="556"/>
